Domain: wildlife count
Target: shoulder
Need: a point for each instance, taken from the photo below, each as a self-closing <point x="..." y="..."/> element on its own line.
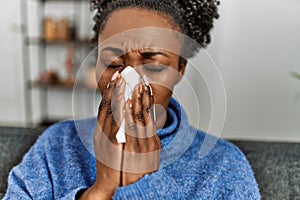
<point x="233" y="174"/>
<point x="70" y="136"/>
<point x="57" y="155"/>
<point x="219" y="167"/>
<point x="230" y="151"/>
<point x="58" y="130"/>
<point x="68" y="129"/>
<point x="218" y="152"/>
<point x="214" y="146"/>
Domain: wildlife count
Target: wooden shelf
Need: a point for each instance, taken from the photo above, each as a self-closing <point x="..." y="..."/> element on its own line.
<point x="39" y="55"/>
<point x="39" y="41"/>
<point x="51" y="84"/>
<point x="57" y="85"/>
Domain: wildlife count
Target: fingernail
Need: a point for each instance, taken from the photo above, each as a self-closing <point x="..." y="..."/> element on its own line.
<point x="146" y="80"/>
<point x="151" y="92"/>
<point x="114" y="76"/>
<point x="129" y="102"/>
<point x="146" y="88"/>
<point x="108" y="85"/>
<point x="119" y="82"/>
<point x="140" y="89"/>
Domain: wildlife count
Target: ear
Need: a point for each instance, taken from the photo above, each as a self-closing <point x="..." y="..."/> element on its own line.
<point x="181" y="69"/>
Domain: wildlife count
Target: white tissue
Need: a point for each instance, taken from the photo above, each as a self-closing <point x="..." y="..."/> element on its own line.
<point x="132" y="78"/>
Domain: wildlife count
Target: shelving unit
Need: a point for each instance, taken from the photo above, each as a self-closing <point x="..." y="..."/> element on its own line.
<point x="41" y="41"/>
<point x="56" y="85"/>
<point x="42" y="44"/>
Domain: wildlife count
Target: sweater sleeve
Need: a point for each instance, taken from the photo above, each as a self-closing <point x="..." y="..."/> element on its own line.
<point x="237" y="180"/>
<point x="157" y="185"/>
<point x="31" y="178"/>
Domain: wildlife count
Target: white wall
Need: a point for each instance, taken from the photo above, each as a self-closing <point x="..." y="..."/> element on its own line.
<point x="12" y="108"/>
<point x="12" y="83"/>
<point x="256" y="44"/>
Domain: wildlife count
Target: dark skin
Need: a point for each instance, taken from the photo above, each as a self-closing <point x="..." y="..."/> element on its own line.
<point x="141" y="134"/>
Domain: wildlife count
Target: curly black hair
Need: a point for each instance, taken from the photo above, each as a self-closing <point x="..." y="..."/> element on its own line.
<point x="194" y="17"/>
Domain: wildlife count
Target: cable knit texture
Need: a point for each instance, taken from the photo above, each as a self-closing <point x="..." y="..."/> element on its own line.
<point x="61" y="165"/>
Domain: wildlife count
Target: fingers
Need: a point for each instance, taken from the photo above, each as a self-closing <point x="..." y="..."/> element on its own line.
<point x="118" y="101"/>
<point x="138" y="106"/>
<point x="111" y="109"/>
<point x="105" y="105"/>
<point x="130" y="128"/>
<point x="140" y="126"/>
<point x="106" y="148"/>
<point x="142" y="145"/>
<point x="148" y="112"/>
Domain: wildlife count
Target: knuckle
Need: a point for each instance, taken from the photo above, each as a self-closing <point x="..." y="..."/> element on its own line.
<point x="109" y="110"/>
<point x="104" y="103"/>
<point x="115" y="126"/>
<point x="139" y="116"/>
<point x="111" y="138"/>
<point x="139" y="98"/>
<point x="131" y="127"/>
<point x="147" y="109"/>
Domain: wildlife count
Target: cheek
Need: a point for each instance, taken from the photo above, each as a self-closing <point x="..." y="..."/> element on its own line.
<point x="162" y="86"/>
<point x="103" y="76"/>
<point x="103" y="80"/>
<point x="162" y="95"/>
<point x="166" y="78"/>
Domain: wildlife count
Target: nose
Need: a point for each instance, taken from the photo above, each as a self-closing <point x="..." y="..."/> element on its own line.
<point x="134" y="60"/>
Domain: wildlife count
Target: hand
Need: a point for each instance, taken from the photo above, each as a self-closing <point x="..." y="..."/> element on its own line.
<point x="116" y="165"/>
<point x="107" y="151"/>
<point x="142" y="147"/>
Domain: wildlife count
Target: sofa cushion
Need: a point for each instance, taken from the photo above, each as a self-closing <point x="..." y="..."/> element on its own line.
<point x="276" y="168"/>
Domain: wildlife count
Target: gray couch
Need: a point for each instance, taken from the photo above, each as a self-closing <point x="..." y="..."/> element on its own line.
<point x="276" y="165"/>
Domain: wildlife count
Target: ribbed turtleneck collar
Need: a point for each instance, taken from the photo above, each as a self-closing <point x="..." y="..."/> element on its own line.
<point x="173" y="122"/>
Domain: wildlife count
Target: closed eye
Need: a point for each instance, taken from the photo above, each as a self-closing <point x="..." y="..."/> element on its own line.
<point x="114" y="66"/>
<point x="111" y="65"/>
<point x="154" y="67"/>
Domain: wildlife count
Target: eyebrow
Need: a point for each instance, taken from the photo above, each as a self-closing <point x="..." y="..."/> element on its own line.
<point x="113" y="49"/>
<point x="150" y="54"/>
<point x="146" y="53"/>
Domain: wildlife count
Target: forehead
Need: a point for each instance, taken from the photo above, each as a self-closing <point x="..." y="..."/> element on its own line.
<point x="135" y="28"/>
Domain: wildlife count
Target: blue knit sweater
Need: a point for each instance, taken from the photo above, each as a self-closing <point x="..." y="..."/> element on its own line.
<point x="61" y="165"/>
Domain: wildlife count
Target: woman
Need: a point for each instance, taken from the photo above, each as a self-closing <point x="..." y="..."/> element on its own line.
<point x="59" y="166"/>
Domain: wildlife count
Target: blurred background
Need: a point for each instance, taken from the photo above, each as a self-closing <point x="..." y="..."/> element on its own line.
<point x="255" y="45"/>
